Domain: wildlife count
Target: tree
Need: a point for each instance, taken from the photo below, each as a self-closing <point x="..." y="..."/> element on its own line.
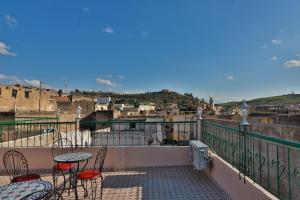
<point x="60" y="92"/>
<point x="77" y="91"/>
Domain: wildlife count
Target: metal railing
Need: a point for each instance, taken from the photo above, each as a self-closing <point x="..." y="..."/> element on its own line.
<point x="13" y="120"/>
<point x="96" y="133"/>
<point x="273" y="163"/>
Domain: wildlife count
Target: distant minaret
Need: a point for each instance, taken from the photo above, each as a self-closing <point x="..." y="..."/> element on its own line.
<point x="211" y="103"/>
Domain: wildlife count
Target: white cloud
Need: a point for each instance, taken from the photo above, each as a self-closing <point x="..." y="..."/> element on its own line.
<point x="9" y="79"/>
<point x="10" y="21"/>
<point x="85" y="9"/>
<point x="264" y="46"/>
<point x="145" y="33"/>
<point x="35" y="83"/>
<point x="230" y="77"/>
<point x="292" y="63"/>
<point x="107" y="82"/>
<point x="108" y="30"/>
<point x="274" y="58"/>
<point x="276" y="41"/>
<point x="5" y="50"/>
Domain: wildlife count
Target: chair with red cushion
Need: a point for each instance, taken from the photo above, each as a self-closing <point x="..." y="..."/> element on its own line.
<point x="93" y="174"/>
<point x="59" y="147"/>
<point x="16" y="167"/>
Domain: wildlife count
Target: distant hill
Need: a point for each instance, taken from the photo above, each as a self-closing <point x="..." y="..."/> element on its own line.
<point x="275" y="100"/>
<point x="159" y="98"/>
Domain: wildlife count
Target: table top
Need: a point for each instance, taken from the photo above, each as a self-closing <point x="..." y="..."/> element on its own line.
<point x="72" y="157"/>
<point x="19" y="190"/>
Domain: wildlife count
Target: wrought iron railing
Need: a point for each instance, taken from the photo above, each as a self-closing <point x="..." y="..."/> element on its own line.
<point x="94" y="133"/>
<point x="273" y="163"/>
<point x="13" y="120"/>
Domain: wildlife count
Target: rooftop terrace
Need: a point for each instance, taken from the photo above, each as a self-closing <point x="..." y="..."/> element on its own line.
<point x="137" y="169"/>
<point x="181" y="182"/>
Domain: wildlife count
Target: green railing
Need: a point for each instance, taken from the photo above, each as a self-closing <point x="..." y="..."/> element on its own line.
<point x="18" y="128"/>
<point x="15" y="120"/>
<point x="94" y="133"/>
<point x="273" y="163"/>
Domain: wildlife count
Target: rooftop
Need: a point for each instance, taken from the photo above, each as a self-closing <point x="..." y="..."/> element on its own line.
<point x="135" y="169"/>
<point x="180" y="182"/>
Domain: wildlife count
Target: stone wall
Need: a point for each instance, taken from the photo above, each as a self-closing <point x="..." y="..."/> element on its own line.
<point x="21" y="99"/>
<point x="70" y="107"/>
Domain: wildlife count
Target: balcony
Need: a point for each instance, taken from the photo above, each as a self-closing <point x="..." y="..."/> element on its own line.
<point x="137" y="169"/>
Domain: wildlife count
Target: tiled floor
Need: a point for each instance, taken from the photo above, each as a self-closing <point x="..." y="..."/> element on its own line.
<point x="166" y="183"/>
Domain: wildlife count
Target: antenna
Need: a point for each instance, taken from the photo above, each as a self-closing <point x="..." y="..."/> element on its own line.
<point x="66" y="89"/>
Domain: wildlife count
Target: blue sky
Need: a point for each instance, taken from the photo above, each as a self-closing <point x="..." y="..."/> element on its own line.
<point x="227" y="49"/>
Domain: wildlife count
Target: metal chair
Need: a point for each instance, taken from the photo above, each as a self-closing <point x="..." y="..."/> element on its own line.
<point x="59" y="147"/>
<point x="16" y="167"/>
<point x="92" y="175"/>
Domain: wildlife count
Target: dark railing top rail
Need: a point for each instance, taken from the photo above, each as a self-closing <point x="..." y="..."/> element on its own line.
<point x="91" y="122"/>
<point x="133" y="121"/>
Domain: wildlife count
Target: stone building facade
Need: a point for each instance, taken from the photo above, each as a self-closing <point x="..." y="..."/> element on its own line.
<point x="17" y="98"/>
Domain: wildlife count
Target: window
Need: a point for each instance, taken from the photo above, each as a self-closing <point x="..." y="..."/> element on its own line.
<point x="27" y="94"/>
<point x="14" y="93"/>
<point x="132" y="125"/>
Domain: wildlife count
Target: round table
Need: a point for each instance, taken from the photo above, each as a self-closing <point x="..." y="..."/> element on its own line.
<point x="19" y="190"/>
<point x="74" y="158"/>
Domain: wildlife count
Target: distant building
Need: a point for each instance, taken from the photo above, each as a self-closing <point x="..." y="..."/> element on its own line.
<point x="102" y="103"/>
<point x="19" y="98"/>
<point x="103" y="100"/>
<point x="146" y="108"/>
<point x="140" y="128"/>
<point x="171" y="106"/>
<point x="119" y="107"/>
<point x="87" y="122"/>
<point x="131" y="111"/>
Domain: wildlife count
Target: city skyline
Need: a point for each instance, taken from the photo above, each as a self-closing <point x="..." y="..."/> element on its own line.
<point x="229" y="50"/>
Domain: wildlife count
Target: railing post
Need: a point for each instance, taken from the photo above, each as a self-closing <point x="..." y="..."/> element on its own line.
<point x="243" y="153"/>
<point x="77" y="125"/>
<point x="199" y="129"/>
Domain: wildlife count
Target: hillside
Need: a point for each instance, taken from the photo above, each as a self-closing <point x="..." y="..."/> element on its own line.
<point x="159" y="98"/>
<point x="275" y="100"/>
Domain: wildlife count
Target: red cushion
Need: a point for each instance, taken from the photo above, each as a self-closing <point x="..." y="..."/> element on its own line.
<point x="26" y="177"/>
<point x="89" y="174"/>
<point x="63" y="166"/>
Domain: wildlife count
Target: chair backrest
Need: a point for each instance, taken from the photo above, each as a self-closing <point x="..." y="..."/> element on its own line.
<point x="53" y="135"/>
<point x="15" y="163"/>
<point x="99" y="161"/>
<point x="62" y="146"/>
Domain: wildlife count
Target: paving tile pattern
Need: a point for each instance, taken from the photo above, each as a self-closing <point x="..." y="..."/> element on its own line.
<point x="165" y="183"/>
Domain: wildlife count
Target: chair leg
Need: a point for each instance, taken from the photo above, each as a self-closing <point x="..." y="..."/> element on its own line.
<point x="101" y="189"/>
<point x="94" y="188"/>
<point x="84" y="187"/>
<point x="54" y="176"/>
<point x="70" y="184"/>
